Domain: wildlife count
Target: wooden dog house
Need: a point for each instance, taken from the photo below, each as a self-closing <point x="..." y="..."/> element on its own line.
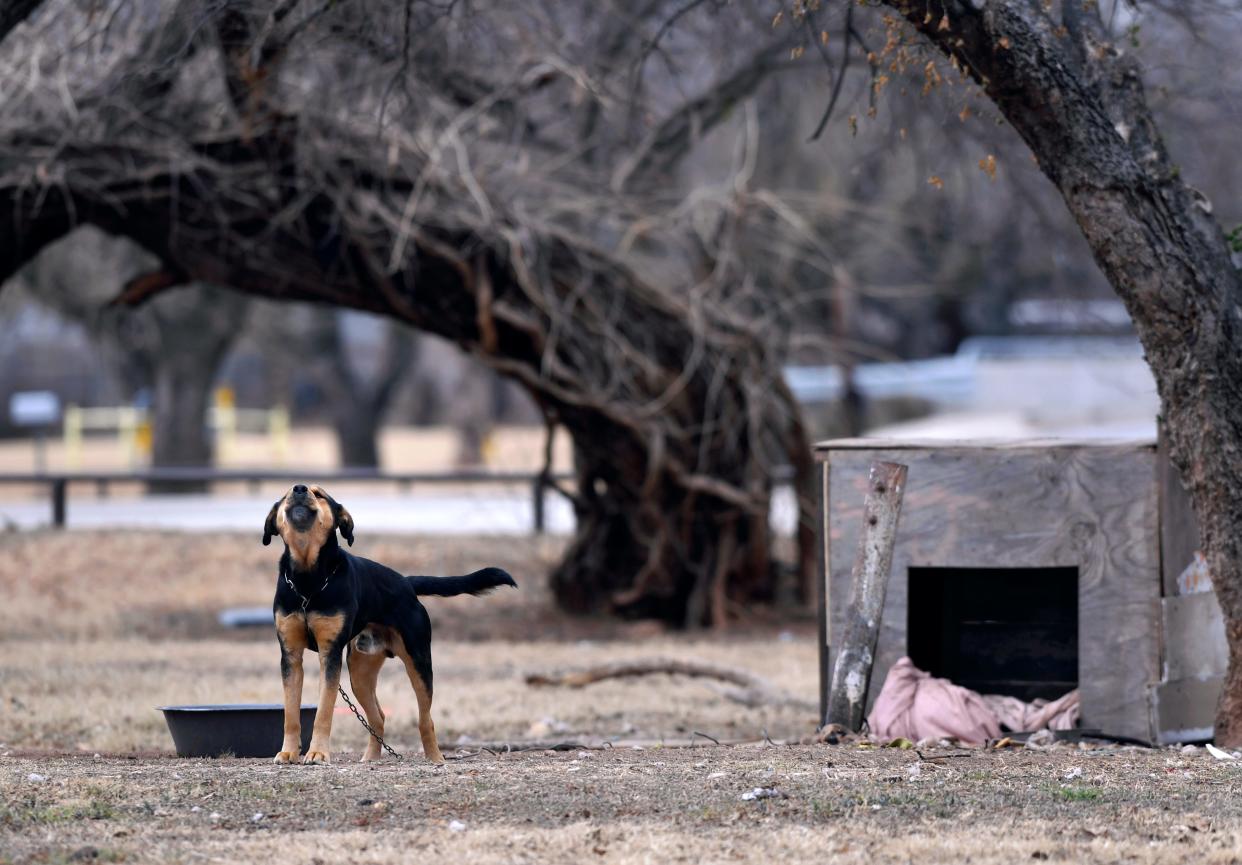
<point x="1034" y="567"/>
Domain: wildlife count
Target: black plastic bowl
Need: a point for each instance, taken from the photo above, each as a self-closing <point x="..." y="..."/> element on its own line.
<point x="234" y="729"/>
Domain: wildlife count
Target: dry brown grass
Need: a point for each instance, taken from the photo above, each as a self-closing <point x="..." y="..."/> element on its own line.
<point x="101" y="584"/>
<point x="98" y="695"/>
<point x="97" y="629"/>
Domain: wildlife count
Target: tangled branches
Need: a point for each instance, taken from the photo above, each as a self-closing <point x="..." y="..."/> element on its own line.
<point x="355" y="170"/>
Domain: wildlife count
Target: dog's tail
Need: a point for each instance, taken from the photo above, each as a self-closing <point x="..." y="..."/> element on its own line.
<point x="478" y="583"/>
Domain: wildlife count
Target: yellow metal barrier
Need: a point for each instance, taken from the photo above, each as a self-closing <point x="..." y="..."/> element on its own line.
<point x="133" y="430"/>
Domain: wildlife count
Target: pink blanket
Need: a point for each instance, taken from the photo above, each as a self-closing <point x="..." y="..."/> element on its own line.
<point x="915" y="705"/>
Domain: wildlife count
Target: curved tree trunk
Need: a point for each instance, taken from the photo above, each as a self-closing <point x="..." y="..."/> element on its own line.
<point x="1078" y="102"/>
<point x="679" y="418"/>
<point x="671" y="522"/>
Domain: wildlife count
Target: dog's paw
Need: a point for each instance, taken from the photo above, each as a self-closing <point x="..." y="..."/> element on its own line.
<point x="317" y="757"/>
<point x="371" y="756"/>
<point x="285" y="757"/>
<point x="436" y="759"/>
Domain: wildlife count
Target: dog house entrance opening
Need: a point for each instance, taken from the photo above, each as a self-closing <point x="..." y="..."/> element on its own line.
<point x="1007" y="631"/>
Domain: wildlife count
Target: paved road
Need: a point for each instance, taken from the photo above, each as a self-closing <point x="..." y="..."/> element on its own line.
<point x="422" y="513"/>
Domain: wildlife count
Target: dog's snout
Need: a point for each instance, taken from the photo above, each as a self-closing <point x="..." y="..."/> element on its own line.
<point x="299" y="489"/>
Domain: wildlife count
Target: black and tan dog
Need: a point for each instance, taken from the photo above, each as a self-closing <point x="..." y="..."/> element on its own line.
<point x="328" y="599"/>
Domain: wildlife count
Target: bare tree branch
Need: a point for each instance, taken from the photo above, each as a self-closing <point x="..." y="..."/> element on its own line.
<point x="14" y="12"/>
<point x="674" y="136"/>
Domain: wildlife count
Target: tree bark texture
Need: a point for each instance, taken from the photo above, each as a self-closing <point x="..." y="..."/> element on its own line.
<point x="1078" y="102"/>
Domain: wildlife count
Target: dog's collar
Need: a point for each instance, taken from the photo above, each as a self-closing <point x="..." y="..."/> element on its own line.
<point x="306" y="599"/>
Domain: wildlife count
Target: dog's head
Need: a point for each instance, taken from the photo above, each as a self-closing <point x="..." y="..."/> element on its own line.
<point x="306" y="517"/>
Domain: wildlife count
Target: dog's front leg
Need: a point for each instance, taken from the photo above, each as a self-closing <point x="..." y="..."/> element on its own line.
<point x="329" y="634"/>
<point x="291" y="631"/>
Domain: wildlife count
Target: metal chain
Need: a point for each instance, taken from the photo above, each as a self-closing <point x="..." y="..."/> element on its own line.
<point x="363" y="721"/>
<point x="305" y="599"/>
<point x="348" y="702"/>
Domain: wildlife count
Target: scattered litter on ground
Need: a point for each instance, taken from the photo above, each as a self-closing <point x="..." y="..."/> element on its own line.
<point x="1218" y="753"/>
<point x="545" y="727"/>
<point x="1041" y="740"/>
<point x="936" y="742"/>
<point x="456" y="826"/>
<point x="763" y="793"/>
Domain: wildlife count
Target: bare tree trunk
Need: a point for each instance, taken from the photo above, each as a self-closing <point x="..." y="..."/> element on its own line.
<point x="174" y="346"/>
<point x="357" y="435"/>
<point x="678" y="428"/>
<point x="1078" y="102"/>
<point x="359" y="402"/>
<point x="179" y="434"/>
<point x="197" y="326"/>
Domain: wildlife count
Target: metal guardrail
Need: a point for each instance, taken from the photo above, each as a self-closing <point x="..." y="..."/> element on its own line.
<point x="58" y="482"/>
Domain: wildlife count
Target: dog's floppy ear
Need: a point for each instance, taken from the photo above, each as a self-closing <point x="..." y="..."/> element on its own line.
<point x="344" y="522"/>
<point x="269" y="525"/>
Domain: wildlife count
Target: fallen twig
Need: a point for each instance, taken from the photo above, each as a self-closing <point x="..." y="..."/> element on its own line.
<point x="751" y="690"/>
<point x="935" y="757"/>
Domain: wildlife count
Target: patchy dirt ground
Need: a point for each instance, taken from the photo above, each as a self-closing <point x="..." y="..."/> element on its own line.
<point x="838" y="804"/>
<point x="98" y="629"/>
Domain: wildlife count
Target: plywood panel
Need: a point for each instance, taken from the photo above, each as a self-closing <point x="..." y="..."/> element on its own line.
<point x="1194" y="637"/>
<point x="1179" y="530"/>
<point x="1185" y="709"/>
<point x="1090" y="507"/>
